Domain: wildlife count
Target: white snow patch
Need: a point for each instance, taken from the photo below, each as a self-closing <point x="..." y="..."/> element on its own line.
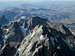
<point x="7" y="30"/>
<point x="42" y="37"/>
<point x="19" y="49"/>
<point x="58" y="47"/>
<point x="6" y="36"/>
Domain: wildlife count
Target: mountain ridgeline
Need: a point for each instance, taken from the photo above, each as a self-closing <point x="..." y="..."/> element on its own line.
<point x="37" y="37"/>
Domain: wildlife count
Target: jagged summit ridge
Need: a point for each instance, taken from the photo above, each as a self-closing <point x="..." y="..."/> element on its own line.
<point x="38" y="37"/>
<point x="46" y="41"/>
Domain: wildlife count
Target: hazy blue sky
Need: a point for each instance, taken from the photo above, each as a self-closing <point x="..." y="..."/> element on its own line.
<point x="23" y="0"/>
<point x="33" y="0"/>
<point x="44" y="3"/>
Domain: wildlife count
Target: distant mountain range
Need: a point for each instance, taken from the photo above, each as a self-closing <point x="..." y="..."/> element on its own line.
<point x="58" y="15"/>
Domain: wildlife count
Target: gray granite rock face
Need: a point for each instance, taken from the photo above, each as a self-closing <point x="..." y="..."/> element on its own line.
<point x="48" y="41"/>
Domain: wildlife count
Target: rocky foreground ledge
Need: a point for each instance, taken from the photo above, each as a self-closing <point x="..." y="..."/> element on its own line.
<point x="39" y="37"/>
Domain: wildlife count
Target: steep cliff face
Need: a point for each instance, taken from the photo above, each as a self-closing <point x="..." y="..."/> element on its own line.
<point x="13" y="32"/>
<point x="1" y="38"/>
<point x="12" y="37"/>
<point x="48" y="40"/>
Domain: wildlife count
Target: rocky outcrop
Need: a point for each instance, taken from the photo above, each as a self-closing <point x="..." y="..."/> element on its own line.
<point x="46" y="40"/>
<point x="33" y="21"/>
<point x="12" y="38"/>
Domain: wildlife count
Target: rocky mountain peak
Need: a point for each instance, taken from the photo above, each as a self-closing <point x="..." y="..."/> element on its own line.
<point x="43" y="38"/>
<point x="33" y="21"/>
<point x="46" y="40"/>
